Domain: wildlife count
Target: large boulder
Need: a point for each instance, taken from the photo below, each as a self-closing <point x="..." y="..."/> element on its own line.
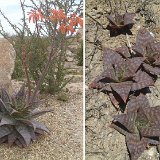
<point x="7" y="63"/>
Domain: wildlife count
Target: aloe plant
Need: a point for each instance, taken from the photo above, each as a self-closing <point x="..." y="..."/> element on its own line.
<point x="121" y="76"/>
<point x="17" y="119"/>
<point x="147" y="47"/>
<point x="120" y="23"/>
<point x="140" y="124"/>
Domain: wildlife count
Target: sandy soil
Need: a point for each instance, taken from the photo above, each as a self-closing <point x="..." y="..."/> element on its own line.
<point x="102" y="142"/>
<point x="65" y="140"/>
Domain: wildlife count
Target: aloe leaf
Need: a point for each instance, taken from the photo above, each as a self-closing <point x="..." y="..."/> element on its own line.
<point x="28" y="122"/>
<point x="106" y="75"/>
<point x="144" y="37"/>
<point x="136" y="146"/>
<point x="153" y="114"/>
<point x="153" y="131"/>
<point x="4" y="131"/>
<point x="32" y="133"/>
<point x="136" y="102"/>
<point x="127" y="120"/>
<point x="36" y="113"/>
<point x="3" y="139"/>
<point x="122" y="89"/>
<point x="133" y="64"/>
<point x="6" y="120"/>
<point x="110" y="57"/>
<point x="19" y="144"/>
<point x="40" y="126"/>
<point x="153" y="70"/>
<point x="5" y="96"/>
<point x="12" y="138"/>
<point x="129" y="18"/>
<point x="142" y="80"/>
<point x="24" y="132"/>
<point x="124" y="51"/>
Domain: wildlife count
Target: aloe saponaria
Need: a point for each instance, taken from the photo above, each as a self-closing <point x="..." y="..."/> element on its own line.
<point x="147" y="47"/>
<point x="121" y="76"/>
<point x="17" y="120"/>
<point x="120" y="23"/>
<point x="140" y="125"/>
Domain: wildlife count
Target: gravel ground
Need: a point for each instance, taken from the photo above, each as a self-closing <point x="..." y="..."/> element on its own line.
<point x="65" y="140"/>
<point x="102" y="142"/>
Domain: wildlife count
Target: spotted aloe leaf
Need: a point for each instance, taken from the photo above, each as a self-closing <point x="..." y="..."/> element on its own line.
<point x="120" y="23"/>
<point x="111" y="57"/>
<point x="122" y="89"/>
<point x="135" y="102"/>
<point x="146" y="46"/>
<point x="142" y="80"/>
<point x="136" y="146"/>
<point x="123" y="51"/>
<point x="140" y="124"/>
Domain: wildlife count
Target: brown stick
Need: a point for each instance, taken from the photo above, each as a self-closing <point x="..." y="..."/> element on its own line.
<point x="24" y="56"/>
<point x="44" y="72"/>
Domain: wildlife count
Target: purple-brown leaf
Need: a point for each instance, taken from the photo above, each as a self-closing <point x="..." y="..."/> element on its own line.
<point x="122" y="89"/>
<point x="136" y="146"/>
<point x="142" y="80"/>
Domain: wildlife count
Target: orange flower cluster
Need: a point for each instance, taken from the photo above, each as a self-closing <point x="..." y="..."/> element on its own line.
<point x="57" y="15"/>
<point x="35" y="15"/>
<point x="65" y="24"/>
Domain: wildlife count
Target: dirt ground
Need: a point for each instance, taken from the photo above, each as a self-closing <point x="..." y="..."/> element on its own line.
<point x="102" y="142"/>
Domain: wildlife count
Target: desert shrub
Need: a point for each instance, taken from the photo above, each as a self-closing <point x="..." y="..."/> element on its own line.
<point x="36" y="53"/>
<point x="79" y="55"/>
<point x="39" y="46"/>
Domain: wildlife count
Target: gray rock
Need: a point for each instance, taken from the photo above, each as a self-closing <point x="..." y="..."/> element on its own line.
<point x="7" y="63"/>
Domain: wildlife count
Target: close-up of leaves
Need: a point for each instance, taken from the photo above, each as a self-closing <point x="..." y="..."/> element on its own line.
<point x="140" y="125"/>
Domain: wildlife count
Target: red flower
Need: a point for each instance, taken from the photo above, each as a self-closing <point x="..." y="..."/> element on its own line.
<point x="75" y="20"/>
<point x="35" y="15"/>
<point x="80" y="21"/>
<point x="58" y="15"/>
<point x="62" y="28"/>
<point x="70" y="29"/>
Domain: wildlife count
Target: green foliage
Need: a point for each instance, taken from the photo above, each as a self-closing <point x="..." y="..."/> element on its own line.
<point x="79" y="55"/>
<point x="37" y="48"/>
<point x="55" y="79"/>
